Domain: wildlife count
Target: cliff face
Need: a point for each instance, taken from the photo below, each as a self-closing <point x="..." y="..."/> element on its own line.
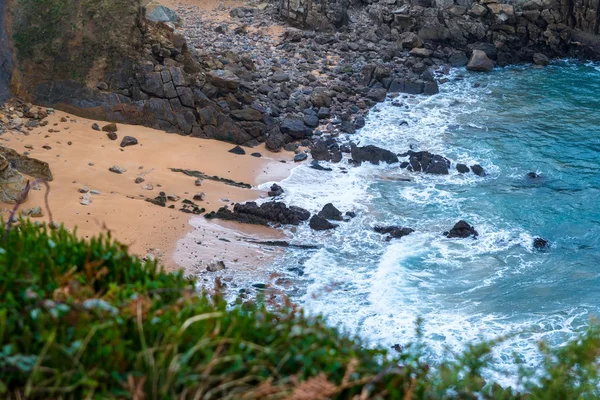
<point x="5" y="56"/>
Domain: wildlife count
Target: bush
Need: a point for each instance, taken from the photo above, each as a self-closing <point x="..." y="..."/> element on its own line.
<point x="84" y="319"/>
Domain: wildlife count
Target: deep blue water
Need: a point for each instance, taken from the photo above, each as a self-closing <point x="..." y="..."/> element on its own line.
<point x="513" y="121"/>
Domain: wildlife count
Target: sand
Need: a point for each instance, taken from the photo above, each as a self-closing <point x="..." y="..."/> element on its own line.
<point x="80" y="156"/>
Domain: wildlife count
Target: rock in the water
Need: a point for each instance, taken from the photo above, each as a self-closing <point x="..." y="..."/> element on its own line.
<point x="276" y="190"/>
<point x="540" y="243"/>
<point x="110" y="128"/>
<point x="461" y="230"/>
<point x="128" y="141"/>
<point x="533" y="175"/>
<point x="540" y="59"/>
<point x="462" y="168"/>
<point x="315" y="165"/>
<point x="215" y="266"/>
<point x="269" y="212"/>
<point x="373" y="154"/>
<point x="117" y="170"/>
<point x="478" y="170"/>
<point x="319" y="223"/>
<point x="424" y="161"/>
<point x="238" y="150"/>
<point x="330" y="212"/>
<point x="393" y="232"/>
<point x="480" y="62"/>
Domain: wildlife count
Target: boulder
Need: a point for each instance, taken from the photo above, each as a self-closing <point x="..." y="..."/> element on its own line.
<point x="224" y="80"/>
<point x="540" y="243"/>
<point x="319" y="223"/>
<point x="372" y="154"/>
<point x="478" y="170"/>
<point x="128" y="141"/>
<point x="461" y="230"/>
<point x="300" y="157"/>
<point x="330" y="212"/>
<point x="462" y="168"/>
<point x="12" y="183"/>
<point x="156" y="12"/>
<point x="110" y="128"/>
<point x="237" y="150"/>
<point x="540" y="59"/>
<point x="393" y="232"/>
<point x="266" y="213"/>
<point x="275" y="190"/>
<point x="424" y="161"/>
<point x="293" y="127"/>
<point x="480" y="62"/>
<point x="247" y="114"/>
<point x="26" y="165"/>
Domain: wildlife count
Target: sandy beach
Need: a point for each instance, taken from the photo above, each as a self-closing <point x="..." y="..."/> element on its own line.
<point x="80" y="157"/>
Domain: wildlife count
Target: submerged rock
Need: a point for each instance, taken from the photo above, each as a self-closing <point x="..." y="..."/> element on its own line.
<point x="319" y="223"/>
<point x="393" y="232"/>
<point x="330" y="212"/>
<point x="461" y="230"/>
<point x="540" y="243"/>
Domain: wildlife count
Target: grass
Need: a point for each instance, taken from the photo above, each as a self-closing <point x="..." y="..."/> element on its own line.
<point x="86" y="320"/>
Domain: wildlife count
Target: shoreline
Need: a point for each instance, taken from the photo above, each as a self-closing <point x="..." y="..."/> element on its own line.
<point x="80" y="158"/>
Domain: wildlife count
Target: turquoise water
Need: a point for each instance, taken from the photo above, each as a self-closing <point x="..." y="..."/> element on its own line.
<point x="513" y="121"/>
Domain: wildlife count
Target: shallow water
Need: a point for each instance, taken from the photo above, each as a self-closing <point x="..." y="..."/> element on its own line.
<point x="518" y="120"/>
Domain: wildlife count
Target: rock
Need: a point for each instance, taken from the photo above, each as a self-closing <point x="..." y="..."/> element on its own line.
<point x="247" y="114"/>
<point x="276" y="190"/>
<point x="237" y="150"/>
<point x="160" y="200"/>
<point x="372" y="154"/>
<point x="377" y="95"/>
<point x="424" y="161"/>
<point x="128" y="141"/>
<point x="293" y="127"/>
<point x="300" y="157"/>
<point x="117" y="170"/>
<point x="323" y="113"/>
<point x="84" y="189"/>
<point x="95" y="127"/>
<point x="199" y="196"/>
<point x="275" y="141"/>
<point x="266" y="213"/>
<point x="110" y="128"/>
<point x="311" y="121"/>
<point x="148" y="186"/>
<point x="318" y="223"/>
<point x="315" y="165"/>
<point x="533" y="175"/>
<point x="320" y="98"/>
<point x="85" y="200"/>
<point x="139" y="179"/>
<point x="540" y="243"/>
<point x="478" y="170"/>
<point x="480" y="62"/>
<point x="257" y="155"/>
<point x="540" y="59"/>
<point x="36" y="212"/>
<point x="112" y="135"/>
<point x="461" y="230"/>
<point x="224" y="80"/>
<point x="215" y="266"/>
<point x="458" y="59"/>
<point x="156" y="12"/>
<point x="330" y="212"/>
<point x="462" y="168"/>
<point x="26" y="165"/>
<point x="393" y="232"/>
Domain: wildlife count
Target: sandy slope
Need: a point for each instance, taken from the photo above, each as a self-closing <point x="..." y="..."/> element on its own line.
<point x="80" y="156"/>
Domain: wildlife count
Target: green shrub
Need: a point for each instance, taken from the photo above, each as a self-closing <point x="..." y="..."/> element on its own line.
<point x="84" y="319"/>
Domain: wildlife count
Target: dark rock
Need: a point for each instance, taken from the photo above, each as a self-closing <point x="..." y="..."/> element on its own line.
<point x="394" y="232"/>
<point x="311" y="121"/>
<point x="318" y="223"/>
<point x="372" y="154"/>
<point x="377" y="95"/>
<point x="462" y="168"/>
<point x="347" y="127"/>
<point x="359" y="122"/>
<point x="300" y="157"/>
<point x="112" y="135"/>
<point x="424" y="161"/>
<point x="269" y="212"/>
<point x="237" y="150"/>
<point x="315" y="165"/>
<point x="117" y="170"/>
<point x="461" y="230"/>
<point x="540" y="243"/>
<point x="330" y="212"/>
<point x="257" y="155"/>
<point x="293" y="127"/>
<point x="350" y="214"/>
<point x="540" y="59"/>
<point x="478" y="170"/>
<point x="323" y="113"/>
<point x="160" y="200"/>
<point x="533" y="175"/>
<point x="247" y="114"/>
<point x="275" y="141"/>
<point x="480" y="62"/>
<point x="276" y="190"/>
<point x="95" y="127"/>
<point x="110" y="128"/>
<point x="128" y="141"/>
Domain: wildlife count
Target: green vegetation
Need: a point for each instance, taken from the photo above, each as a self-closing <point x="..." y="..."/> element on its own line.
<point x="73" y="35"/>
<point x="84" y="319"/>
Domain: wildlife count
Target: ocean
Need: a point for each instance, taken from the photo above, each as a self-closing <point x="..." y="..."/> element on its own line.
<point x="513" y="121"/>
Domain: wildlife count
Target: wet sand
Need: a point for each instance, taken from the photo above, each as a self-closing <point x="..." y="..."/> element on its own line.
<point x="80" y="156"/>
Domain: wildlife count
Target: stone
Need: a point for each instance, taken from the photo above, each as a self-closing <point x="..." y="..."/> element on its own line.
<point x="112" y="135"/>
<point x="318" y="223"/>
<point x="110" y="128"/>
<point x="215" y="266"/>
<point x="247" y="114"/>
<point x="36" y="212"/>
<point x="224" y="80"/>
<point x="480" y="62"/>
<point x="256" y="154"/>
<point x="300" y="157"/>
<point x="331" y="213"/>
<point x="156" y="12"/>
<point x="540" y="243"/>
<point x="377" y="95"/>
<point x="266" y="213"/>
<point x="128" y="141"/>
<point x="26" y="165"/>
<point x="540" y="59"/>
<point x="237" y="150"/>
<point x="275" y="190"/>
<point x="372" y="154"/>
<point x="323" y="113"/>
<point x="311" y="121"/>
<point x="478" y="170"/>
<point x="85" y="200"/>
<point x="199" y="196"/>
<point x="117" y="170"/>
<point x="424" y="161"/>
<point x="95" y="127"/>
<point x="393" y="232"/>
<point x="462" y="168"/>
<point x="461" y="230"/>
<point x="293" y="127"/>
<point x="139" y="179"/>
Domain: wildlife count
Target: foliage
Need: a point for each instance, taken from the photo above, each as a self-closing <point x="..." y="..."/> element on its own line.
<point x="84" y="319"/>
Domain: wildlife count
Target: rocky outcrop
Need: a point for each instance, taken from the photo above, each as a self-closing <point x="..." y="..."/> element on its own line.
<point x="372" y="154"/>
<point x="26" y="165"/>
<point x="461" y="230"/>
<point x="271" y="212"/>
<point x="12" y="182"/>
